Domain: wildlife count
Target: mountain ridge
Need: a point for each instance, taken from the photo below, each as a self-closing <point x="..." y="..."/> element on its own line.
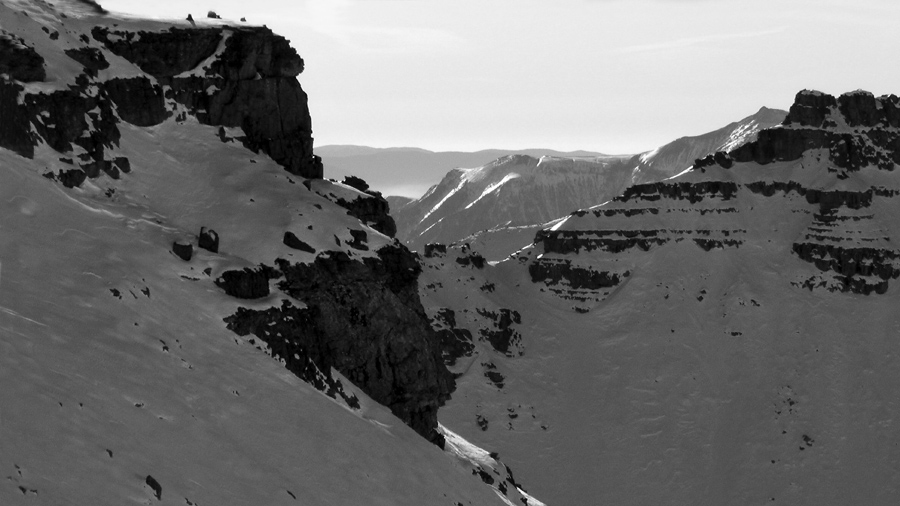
<point x="720" y="337"/>
<point x="501" y="215"/>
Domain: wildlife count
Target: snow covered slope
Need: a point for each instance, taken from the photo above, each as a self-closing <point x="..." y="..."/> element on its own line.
<point x="676" y="156"/>
<point x="499" y="207"/>
<point x="512" y="191"/>
<point x="410" y="172"/>
<point x="724" y="337"/>
<point x="139" y="361"/>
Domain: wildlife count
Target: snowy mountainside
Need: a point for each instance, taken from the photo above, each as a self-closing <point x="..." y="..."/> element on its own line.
<point x="411" y="171"/>
<point x="512" y="191"/>
<point x="175" y="282"/>
<point x="500" y="216"/>
<point x="676" y="156"/>
<point x="723" y="337"/>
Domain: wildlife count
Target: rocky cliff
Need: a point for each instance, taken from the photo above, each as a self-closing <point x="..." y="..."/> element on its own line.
<point x="362" y="318"/>
<point x="228" y="75"/>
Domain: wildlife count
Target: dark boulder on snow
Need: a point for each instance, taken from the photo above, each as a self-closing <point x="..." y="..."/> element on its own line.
<point x="184" y="250"/>
<point x="90" y="57"/>
<point x="247" y="283"/>
<point x="292" y="241"/>
<point x="208" y="240"/>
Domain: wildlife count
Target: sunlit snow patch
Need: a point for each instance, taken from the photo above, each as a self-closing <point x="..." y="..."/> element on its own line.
<point x="494" y="186"/>
<point x="485" y="464"/>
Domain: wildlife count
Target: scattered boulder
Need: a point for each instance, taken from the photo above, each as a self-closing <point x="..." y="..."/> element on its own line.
<point x="155" y="486"/>
<point x="183" y="249"/>
<point x="209" y="239"/>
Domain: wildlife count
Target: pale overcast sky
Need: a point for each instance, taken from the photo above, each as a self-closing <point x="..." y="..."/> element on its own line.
<point x="614" y="76"/>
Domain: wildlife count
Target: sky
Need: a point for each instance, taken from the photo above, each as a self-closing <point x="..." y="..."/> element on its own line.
<point x="614" y="76"/>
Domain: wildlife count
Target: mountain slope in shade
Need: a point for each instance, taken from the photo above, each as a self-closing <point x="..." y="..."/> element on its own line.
<point x="727" y="336"/>
<point x="499" y="207"/>
<point x="410" y="172"/>
<point x="126" y="377"/>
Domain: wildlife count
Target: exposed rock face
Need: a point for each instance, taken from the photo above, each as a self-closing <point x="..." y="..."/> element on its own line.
<point x="366" y="205"/>
<point x="834" y="148"/>
<point x="364" y="319"/>
<point x="503" y="337"/>
<point x="91" y="57"/>
<point x="20" y="61"/>
<point x="455" y="342"/>
<point x="249" y="81"/>
<point x="247" y="283"/>
<point x="820" y="121"/>
<point x="208" y="240"/>
<point x="253" y="79"/>
<point x="183" y="250"/>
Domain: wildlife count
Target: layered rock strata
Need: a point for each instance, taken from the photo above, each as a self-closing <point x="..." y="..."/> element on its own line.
<point x="828" y="165"/>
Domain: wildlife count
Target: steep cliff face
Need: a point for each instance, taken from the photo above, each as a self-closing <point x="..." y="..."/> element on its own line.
<point x="364" y="319"/>
<point x="143" y="74"/>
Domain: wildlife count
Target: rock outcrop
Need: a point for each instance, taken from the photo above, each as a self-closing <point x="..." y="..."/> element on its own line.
<point x="250" y="83"/>
<point x="354" y="195"/>
<point x="224" y="76"/>
<point x="20" y="61"/>
<point x="364" y="319"/>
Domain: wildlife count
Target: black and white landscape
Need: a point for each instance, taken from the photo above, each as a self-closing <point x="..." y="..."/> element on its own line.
<point x="194" y="310"/>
